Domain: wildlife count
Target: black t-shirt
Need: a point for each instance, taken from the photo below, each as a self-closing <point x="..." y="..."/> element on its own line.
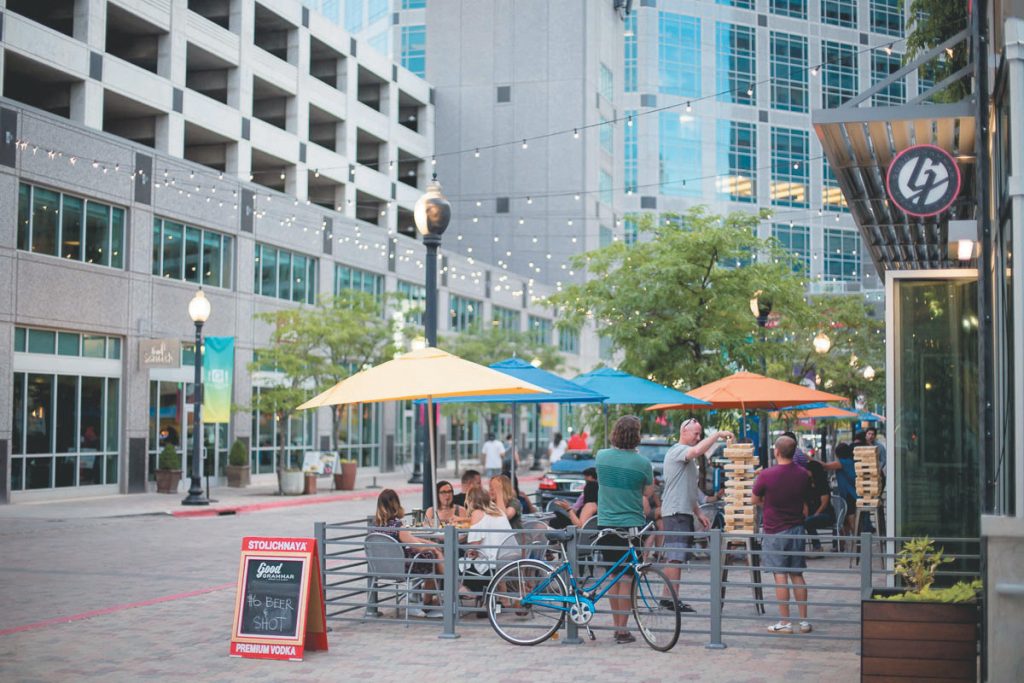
<point x="819" y="487"/>
<point x="459" y="499"/>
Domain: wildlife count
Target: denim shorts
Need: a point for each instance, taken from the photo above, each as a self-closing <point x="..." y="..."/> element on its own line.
<point x="773" y="545"/>
<point x="675" y="545"/>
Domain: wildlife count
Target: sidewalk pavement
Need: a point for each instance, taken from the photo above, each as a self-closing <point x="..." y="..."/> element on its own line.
<point x="225" y="500"/>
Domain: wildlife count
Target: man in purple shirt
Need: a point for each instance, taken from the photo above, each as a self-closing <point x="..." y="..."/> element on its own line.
<point x="782" y="490"/>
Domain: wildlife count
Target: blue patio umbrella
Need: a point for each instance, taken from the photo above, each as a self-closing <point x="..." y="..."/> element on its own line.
<point x="622" y="387"/>
<point x="562" y="391"/>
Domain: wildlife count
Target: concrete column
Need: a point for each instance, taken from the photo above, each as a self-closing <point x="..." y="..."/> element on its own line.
<point x="239" y="159"/>
<point x="170" y="134"/>
<point x="87" y="103"/>
<point x="1003" y="538"/>
<point x="176" y="67"/>
<point x="90" y="23"/>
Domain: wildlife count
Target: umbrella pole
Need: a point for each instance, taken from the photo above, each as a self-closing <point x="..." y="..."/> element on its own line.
<point x="605" y="407"/>
<point x="515" y="444"/>
<point x="432" y="495"/>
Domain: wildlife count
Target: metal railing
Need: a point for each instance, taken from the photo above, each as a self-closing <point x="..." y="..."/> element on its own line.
<point x="731" y="592"/>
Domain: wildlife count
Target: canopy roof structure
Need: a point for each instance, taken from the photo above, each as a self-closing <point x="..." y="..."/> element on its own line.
<point x="621" y="387"/>
<point x="560" y="390"/>
<point x="860" y="142"/>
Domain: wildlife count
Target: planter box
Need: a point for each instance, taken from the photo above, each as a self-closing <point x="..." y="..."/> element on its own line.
<point x="292" y="483"/>
<point x="167" y="480"/>
<point x="918" y="640"/>
<point x="309" y="487"/>
<point x="238" y="475"/>
<point x="346" y="479"/>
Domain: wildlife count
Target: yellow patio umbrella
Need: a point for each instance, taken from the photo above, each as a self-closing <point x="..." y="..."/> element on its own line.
<point x="427" y="373"/>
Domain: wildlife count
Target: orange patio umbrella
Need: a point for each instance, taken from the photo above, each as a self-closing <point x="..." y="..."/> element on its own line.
<point x="826" y="413"/>
<point x="749" y="390"/>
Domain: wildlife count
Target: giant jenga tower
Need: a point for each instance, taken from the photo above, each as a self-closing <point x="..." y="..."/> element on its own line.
<point x="740" y="514"/>
<point x="869" y="481"/>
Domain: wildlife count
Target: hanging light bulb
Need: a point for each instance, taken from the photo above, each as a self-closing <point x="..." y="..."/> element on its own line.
<point x="822" y="343"/>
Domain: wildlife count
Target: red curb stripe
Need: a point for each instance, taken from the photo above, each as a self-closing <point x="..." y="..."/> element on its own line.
<point x="300" y="501"/>
<point x="111" y="610"/>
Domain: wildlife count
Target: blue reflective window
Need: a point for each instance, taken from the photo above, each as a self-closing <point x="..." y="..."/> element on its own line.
<point x="789" y="8"/>
<point x="737" y="161"/>
<point x="883" y="64"/>
<point x="679" y="155"/>
<point x="789" y="71"/>
<point x="414" y="49"/>
<point x="605" y="187"/>
<point x="842" y="255"/>
<point x="789" y="167"/>
<point x="630" y="231"/>
<point x="414" y="4"/>
<point x="607" y="83"/>
<point x="630" y="152"/>
<point x="464" y="313"/>
<point x="839" y="13"/>
<point x="678" y="54"/>
<point x="795" y="239"/>
<point x="838" y="73"/>
<point x="629" y="49"/>
<point x="887" y="17"/>
<point x="505" y="319"/>
<point x="735" y="63"/>
<point x="607" y="135"/>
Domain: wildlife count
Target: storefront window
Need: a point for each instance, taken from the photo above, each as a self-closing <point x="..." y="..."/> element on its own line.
<point x="933" y="437"/>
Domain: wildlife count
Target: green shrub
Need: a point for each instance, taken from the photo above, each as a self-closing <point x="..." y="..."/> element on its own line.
<point x="238" y="456"/>
<point x="917" y="563"/>
<point x="169" y="459"/>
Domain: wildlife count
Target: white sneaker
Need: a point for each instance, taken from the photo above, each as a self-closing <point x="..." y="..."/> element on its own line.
<point x="805" y="627"/>
<point x="780" y="628"/>
<point x="417" y="612"/>
<point x="433" y="613"/>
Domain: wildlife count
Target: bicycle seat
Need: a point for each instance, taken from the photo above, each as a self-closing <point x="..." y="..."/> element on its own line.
<point x="558" y="535"/>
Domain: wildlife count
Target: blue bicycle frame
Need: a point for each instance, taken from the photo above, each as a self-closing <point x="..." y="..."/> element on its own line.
<point x="563" y="604"/>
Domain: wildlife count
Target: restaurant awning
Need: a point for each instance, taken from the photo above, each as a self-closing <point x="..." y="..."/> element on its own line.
<point x="861" y="141"/>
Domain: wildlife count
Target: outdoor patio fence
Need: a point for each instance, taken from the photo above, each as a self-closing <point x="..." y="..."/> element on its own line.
<point x="725" y="582"/>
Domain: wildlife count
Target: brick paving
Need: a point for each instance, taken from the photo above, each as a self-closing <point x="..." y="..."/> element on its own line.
<point x="62" y="559"/>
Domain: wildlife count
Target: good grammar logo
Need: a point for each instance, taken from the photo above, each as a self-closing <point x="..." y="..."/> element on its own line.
<point x="923" y="180"/>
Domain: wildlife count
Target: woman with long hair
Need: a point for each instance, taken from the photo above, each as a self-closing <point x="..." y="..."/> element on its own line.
<point x="447" y="510"/>
<point x="489" y="528"/>
<point x="389" y="520"/>
<point x="504" y="498"/>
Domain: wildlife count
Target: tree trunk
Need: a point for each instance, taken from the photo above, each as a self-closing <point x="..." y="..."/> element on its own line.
<point x="282" y="419"/>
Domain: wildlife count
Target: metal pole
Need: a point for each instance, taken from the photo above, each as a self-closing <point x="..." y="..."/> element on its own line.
<point x="536" y="437"/>
<point x="450" y="601"/>
<point x="865" y="565"/>
<point x="572" y="631"/>
<point x="715" y="550"/>
<point x="431" y="242"/>
<point x="762" y="446"/>
<point x="195" y="490"/>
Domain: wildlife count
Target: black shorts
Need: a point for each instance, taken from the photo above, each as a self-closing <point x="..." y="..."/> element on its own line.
<point x="613" y="546"/>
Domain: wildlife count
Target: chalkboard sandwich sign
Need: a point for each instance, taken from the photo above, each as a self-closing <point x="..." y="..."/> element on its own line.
<point x="279" y="607"/>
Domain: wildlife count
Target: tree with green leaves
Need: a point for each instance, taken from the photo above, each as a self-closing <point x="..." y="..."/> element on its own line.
<point x="931" y="23"/>
<point x="678" y="306"/>
<point x="311" y="349"/>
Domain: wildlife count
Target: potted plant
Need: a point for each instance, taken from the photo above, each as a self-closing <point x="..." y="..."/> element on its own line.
<point x="920" y="631"/>
<point x="168" y="470"/>
<point x="291" y="480"/>
<point x="238" y="470"/>
<point x="345" y="480"/>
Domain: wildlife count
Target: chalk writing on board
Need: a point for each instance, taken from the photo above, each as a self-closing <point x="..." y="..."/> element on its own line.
<point x="272" y="590"/>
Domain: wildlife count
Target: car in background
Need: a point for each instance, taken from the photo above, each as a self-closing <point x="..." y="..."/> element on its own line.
<point x="655" y="450"/>
<point x="565" y="478"/>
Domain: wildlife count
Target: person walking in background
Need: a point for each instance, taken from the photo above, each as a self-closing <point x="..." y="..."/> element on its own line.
<point x="510" y="457"/>
<point x="556" y="448"/>
<point x="782" y="490"/>
<point x="492" y="453"/>
<point x="624" y="477"/>
<point x="846" y="481"/>
<point x="577" y="441"/>
<point x="680" y="501"/>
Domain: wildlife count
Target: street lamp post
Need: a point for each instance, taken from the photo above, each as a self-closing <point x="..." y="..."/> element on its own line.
<point x="761" y="307"/>
<point x="199" y="311"/>
<point x="822" y="344"/>
<point x="432" y="214"/>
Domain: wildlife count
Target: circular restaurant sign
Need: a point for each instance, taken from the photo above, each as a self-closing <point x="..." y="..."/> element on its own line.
<point x="923" y="180"/>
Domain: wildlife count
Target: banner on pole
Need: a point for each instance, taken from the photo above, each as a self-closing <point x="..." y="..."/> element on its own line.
<point x="548" y="414"/>
<point x="218" y="375"/>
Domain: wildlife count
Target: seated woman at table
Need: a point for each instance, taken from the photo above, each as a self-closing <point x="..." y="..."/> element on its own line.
<point x="447" y="510"/>
<point x="577" y="515"/>
<point x="417" y="550"/>
<point x="489" y="528"/>
<point x="504" y="498"/>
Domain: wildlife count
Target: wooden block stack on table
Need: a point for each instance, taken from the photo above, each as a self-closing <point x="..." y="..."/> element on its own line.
<point x="869" y="483"/>
<point x="740" y="514"/>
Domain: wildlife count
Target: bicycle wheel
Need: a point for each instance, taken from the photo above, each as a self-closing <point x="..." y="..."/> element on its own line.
<point x="654" y="600"/>
<point x="524" y="624"/>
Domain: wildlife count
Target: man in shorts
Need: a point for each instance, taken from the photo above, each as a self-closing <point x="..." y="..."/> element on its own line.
<point x="783" y="490"/>
<point x="680" y="500"/>
<point x="624" y="477"/>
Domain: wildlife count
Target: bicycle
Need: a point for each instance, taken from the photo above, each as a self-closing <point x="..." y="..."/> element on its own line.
<point x="535" y="590"/>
